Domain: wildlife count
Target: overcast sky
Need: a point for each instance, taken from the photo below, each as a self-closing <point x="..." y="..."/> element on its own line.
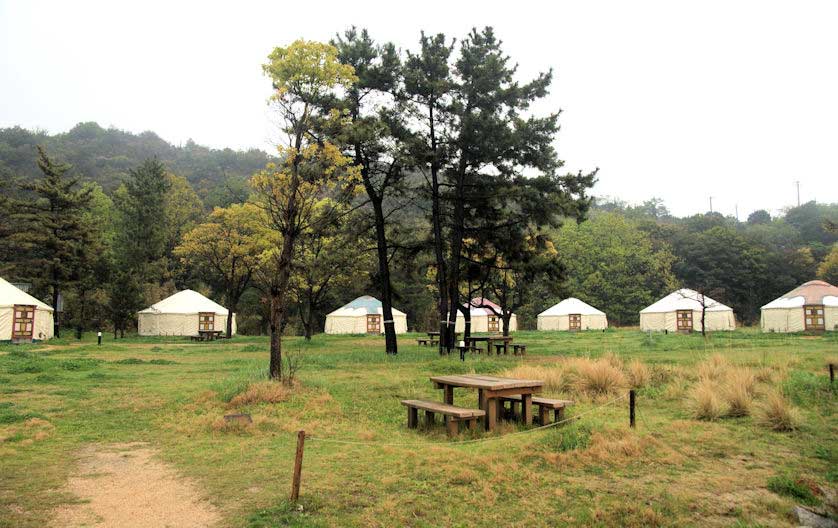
<point x="680" y="100"/>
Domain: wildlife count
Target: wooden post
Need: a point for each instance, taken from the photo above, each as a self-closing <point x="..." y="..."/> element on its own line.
<point x="831" y="373"/>
<point x="631" y="407"/>
<point x="298" y="466"/>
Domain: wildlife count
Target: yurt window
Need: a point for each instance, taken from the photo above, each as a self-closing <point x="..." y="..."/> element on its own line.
<point x="24" y="321"/>
<point x="206" y="322"/>
<point x="813" y="314"/>
<point x="373" y="324"/>
<point x="684" y="320"/>
<point x="575" y="321"/>
<point x="493" y="323"/>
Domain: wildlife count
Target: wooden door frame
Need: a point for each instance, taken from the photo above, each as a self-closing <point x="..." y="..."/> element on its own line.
<point x="678" y="318"/>
<point x="489" y="323"/>
<point x="570" y="320"/>
<point x="16" y="310"/>
<point x="376" y="329"/>
<point x="201" y="321"/>
<point x="814" y="328"/>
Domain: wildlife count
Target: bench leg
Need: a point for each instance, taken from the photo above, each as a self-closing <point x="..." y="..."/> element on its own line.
<point x="543" y="414"/>
<point x="452" y="426"/>
<point x="412" y="417"/>
<point x="491" y="414"/>
<point x="526" y="408"/>
<point x="558" y="415"/>
<point x="429" y="418"/>
<point x="449" y="394"/>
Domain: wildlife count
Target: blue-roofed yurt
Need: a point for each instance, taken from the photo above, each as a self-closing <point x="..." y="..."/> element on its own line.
<point x="364" y="315"/>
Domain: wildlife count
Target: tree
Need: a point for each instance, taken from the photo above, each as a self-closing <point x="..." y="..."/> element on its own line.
<point x="611" y="263"/>
<point x="310" y="185"/>
<point x="760" y="216"/>
<point x="374" y="140"/>
<point x="226" y="250"/>
<point x="828" y="268"/>
<point x="51" y="228"/>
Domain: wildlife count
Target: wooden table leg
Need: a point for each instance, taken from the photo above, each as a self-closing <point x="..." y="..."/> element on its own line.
<point x="452" y="427"/>
<point x="526" y="408"/>
<point x="429" y="418"/>
<point x="491" y="413"/>
<point x="449" y="394"/>
<point x="412" y="417"/>
<point x="543" y="414"/>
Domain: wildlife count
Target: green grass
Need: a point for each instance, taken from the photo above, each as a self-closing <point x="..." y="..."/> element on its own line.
<point x="60" y="396"/>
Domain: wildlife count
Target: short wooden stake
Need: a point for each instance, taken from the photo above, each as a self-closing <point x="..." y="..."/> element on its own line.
<point x="631" y="407"/>
<point x="298" y="466"/>
<point x="831" y="373"/>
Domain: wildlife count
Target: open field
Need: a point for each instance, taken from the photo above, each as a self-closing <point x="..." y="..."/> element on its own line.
<point x="62" y="399"/>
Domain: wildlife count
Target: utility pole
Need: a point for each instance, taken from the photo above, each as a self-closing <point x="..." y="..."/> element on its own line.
<point x="711" y="204"/>
<point x="798" y="192"/>
<point x="737" y="211"/>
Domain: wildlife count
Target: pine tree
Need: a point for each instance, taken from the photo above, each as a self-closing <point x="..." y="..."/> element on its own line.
<point x="52" y="232"/>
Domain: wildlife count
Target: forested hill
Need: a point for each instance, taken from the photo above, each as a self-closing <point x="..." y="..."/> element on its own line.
<point x="105" y="156"/>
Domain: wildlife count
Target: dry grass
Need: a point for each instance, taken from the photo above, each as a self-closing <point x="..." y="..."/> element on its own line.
<point x="778" y="414"/>
<point x="742" y="377"/>
<point x="598" y="378"/>
<point x="639" y="374"/>
<point x="714" y="368"/>
<point x="705" y="402"/>
<point x="261" y="392"/>
<point x="738" y="400"/>
<point x="554" y="377"/>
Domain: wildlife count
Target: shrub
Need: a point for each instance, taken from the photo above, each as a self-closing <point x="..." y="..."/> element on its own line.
<point x="576" y="435"/>
<point x="638" y="374"/>
<point x="796" y="489"/>
<point x="598" y="378"/>
<point x="778" y="414"/>
<point x="705" y="401"/>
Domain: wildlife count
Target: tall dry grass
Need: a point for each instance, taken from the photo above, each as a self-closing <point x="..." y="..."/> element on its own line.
<point x="713" y="368"/>
<point x="554" y="377"/>
<point x="705" y="401"/>
<point x="738" y="400"/>
<point x="261" y="392"/>
<point x="598" y="378"/>
<point x="778" y="414"/>
<point x="638" y="374"/>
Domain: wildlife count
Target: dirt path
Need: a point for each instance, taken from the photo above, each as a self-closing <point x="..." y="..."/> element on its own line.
<point x="125" y="486"/>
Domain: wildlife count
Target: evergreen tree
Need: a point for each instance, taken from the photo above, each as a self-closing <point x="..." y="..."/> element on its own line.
<point x="51" y="229"/>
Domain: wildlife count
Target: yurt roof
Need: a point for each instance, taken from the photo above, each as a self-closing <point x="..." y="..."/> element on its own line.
<point x="481" y="306"/>
<point x="685" y="299"/>
<point x="11" y="295"/>
<point x="812" y="292"/>
<point x="186" y="302"/>
<point x="364" y="305"/>
<point x="571" y="305"/>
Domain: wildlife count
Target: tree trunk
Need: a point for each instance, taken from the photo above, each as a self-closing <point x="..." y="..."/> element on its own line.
<point x="56" y="314"/>
<point x="385" y="287"/>
<point x="467" y="323"/>
<point x="439" y="252"/>
<point x="231" y="312"/>
<point x="506" y="317"/>
<point x="275" y="369"/>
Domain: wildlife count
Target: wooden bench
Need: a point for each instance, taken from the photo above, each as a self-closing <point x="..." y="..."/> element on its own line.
<point x="519" y="349"/>
<point x="500" y="348"/>
<point x="453" y="415"/>
<point x="422" y="342"/>
<point x="545" y="405"/>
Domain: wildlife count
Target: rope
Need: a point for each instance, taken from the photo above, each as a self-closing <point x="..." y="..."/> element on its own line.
<point x="465" y="442"/>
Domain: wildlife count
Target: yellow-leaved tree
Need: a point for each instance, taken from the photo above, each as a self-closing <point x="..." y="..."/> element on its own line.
<point x="227" y="250"/>
<point x="311" y="185"/>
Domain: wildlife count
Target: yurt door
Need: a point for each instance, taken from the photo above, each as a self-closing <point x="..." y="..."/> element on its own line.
<point x="23" y="324"/>
<point x="373" y="324"/>
<point x="575" y="321"/>
<point x="813" y="314"/>
<point x="206" y="322"/>
<point x="493" y="324"/>
<point x="684" y="319"/>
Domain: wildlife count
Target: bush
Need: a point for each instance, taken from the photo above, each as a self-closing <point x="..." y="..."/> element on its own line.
<point x="705" y="401"/>
<point x="576" y="435"/>
<point x="233" y="385"/>
<point x="778" y="414"/>
<point x="261" y="392"/>
<point x="796" y="489"/>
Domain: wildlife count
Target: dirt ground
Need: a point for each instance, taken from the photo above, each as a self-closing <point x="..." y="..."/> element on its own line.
<point x="124" y="485"/>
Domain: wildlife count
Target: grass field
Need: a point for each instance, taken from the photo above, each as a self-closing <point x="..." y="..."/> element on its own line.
<point x="672" y="470"/>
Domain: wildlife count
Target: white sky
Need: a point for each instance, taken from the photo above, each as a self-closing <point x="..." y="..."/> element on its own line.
<point x="681" y="100"/>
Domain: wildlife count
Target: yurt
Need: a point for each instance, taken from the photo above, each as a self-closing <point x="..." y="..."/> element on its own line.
<point x="23" y="318"/>
<point x="183" y="314"/>
<point x="572" y="314"/>
<point x="812" y="306"/>
<point x="680" y="311"/>
<point x="364" y="315"/>
<point x="485" y="317"/>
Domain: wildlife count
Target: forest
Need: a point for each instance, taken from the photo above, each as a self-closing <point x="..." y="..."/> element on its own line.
<point x="419" y="177"/>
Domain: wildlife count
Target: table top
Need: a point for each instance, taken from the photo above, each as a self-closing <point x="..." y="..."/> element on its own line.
<point x="490" y="338"/>
<point x="479" y="381"/>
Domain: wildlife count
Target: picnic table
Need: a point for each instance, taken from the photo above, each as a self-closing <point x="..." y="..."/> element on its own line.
<point x="436" y="334"/>
<point x="490" y="391"/>
<point x="472" y="340"/>
<point x="209" y="335"/>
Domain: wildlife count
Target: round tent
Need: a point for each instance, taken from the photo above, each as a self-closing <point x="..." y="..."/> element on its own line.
<point x="680" y="311"/>
<point x="572" y="314"/>
<point x="23" y="317"/>
<point x="364" y="315"/>
<point x="812" y="306"/>
<point x="485" y="317"/>
<point x="183" y="314"/>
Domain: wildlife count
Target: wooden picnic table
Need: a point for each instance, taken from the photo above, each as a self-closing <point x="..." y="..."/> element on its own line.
<point x="209" y="335"/>
<point x="489" y="391"/>
<point x="436" y="334"/>
<point x="471" y="340"/>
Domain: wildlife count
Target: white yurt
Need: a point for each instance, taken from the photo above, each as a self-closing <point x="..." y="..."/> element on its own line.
<point x="572" y="314"/>
<point x="183" y="314"/>
<point x="680" y="311"/>
<point x="364" y="315"/>
<point x="23" y="317"/>
<point x="812" y="306"/>
<point x="485" y="317"/>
